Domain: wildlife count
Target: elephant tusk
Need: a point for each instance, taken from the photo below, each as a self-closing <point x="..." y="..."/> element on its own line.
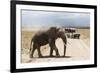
<point x="67" y="42"/>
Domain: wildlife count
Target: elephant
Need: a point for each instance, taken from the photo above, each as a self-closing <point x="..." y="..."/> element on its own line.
<point x="47" y="37"/>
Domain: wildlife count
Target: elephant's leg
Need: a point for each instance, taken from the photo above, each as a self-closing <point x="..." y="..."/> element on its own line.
<point x="51" y="44"/>
<point x="39" y="52"/>
<point x="32" y="51"/>
<point x="53" y="47"/>
<point x="56" y="50"/>
<point x="51" y="52"/>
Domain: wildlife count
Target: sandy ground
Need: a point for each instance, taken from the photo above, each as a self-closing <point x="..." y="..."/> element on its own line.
<point x="77" y="49"/>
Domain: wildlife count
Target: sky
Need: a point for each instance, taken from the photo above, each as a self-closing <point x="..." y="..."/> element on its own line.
<point x="49" y="18"/>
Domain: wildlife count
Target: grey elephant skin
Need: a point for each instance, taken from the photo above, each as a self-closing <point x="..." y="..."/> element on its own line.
<point x="47" y="37"/>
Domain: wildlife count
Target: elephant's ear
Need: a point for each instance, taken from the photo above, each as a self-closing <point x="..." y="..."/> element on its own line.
<point x="57" y="29"/>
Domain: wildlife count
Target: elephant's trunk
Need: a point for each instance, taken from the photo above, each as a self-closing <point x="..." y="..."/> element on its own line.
<point x="63" y="37"/>
<point x="65" y="47"/>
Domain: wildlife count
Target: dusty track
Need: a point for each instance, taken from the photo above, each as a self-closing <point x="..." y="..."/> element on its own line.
<point x="76" y="49"/>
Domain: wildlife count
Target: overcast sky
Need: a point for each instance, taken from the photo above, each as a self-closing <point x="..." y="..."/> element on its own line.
<point x="47" y="18"/>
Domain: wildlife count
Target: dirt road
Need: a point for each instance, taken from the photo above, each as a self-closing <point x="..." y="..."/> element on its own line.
<point x="76" y="49"/>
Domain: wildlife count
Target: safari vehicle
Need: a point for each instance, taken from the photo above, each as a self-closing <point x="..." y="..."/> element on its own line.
<point x="72" y="33"/>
